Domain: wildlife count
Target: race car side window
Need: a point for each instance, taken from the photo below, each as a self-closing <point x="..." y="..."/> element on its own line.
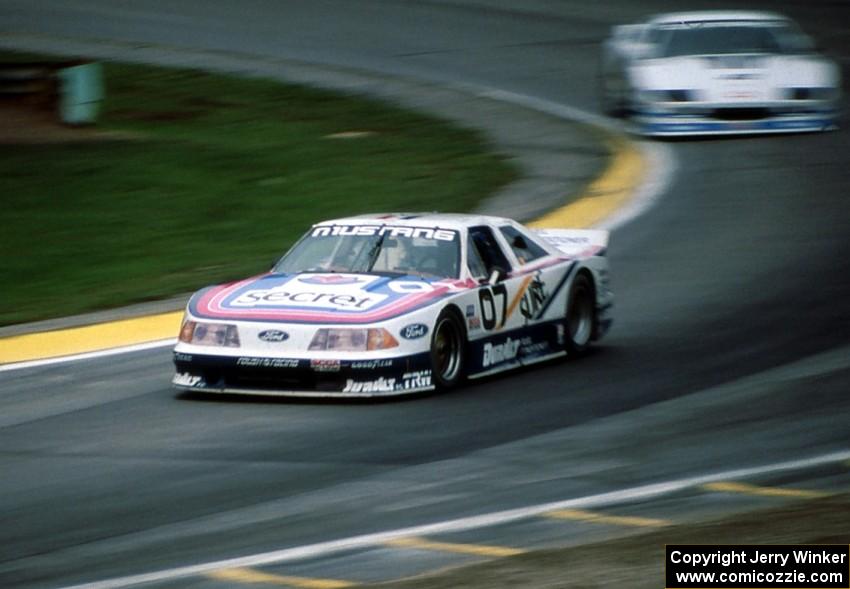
<point x="656" y="35"/>
<point x="482" y="240"/>
<point x="477" y="268"/>
<point x="523" y="246"/>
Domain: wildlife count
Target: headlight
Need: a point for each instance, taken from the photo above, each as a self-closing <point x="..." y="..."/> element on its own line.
<point x="682" y="95"/>
<point x="352" y="340"/>
<point x="822" y="93"/>
<point x="667" y="95"/>
<point x="209" y="334"/>
<point x="655" y="95"/>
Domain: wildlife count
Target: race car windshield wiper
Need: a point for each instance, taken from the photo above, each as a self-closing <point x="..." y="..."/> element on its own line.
<point x="375" y="250"/>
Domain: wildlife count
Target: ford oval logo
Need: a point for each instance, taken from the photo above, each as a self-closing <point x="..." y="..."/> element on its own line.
<point x="414" y="331"/>
<point x="273" y="336"/>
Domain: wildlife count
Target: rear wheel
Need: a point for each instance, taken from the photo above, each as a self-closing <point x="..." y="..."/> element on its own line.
<point x="447" y="351"/>
<point x="580" y="320"/>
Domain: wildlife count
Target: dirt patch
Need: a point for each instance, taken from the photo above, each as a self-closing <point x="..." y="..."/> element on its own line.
<point x="22" y="123"/>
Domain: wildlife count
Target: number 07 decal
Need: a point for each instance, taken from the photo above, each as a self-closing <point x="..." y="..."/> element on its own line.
<point x="490" y="312"/>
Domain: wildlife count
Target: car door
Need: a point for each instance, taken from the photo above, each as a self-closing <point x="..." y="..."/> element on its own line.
<point x="507" y="302"/>
<point x="540" y="274"/>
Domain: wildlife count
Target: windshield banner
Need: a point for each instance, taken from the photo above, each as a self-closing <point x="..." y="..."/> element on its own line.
<point x="389" y="231"/>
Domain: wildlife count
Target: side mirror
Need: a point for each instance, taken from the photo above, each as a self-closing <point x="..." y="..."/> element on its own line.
<point x="496" y="275"/>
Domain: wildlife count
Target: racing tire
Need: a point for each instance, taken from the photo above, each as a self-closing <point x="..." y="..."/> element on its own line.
<point x="609" y="104"/>
<point x="580" y="317"/>
<point x="612" y="102"/>
<point x="448" y="351"/>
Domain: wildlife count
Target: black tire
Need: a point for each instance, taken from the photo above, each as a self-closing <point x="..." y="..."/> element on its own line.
<point x="609" y="105"/>
<point x="580" y="317"/>
<point x="448" y="351"/>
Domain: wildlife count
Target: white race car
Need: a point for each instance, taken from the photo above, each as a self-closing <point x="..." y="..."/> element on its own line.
<point x="713" y="72"/>
<point x="398" y="303"/>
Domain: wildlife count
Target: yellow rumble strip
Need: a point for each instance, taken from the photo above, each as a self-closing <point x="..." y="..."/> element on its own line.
<point x="90" y="338"/>
<point x="250" y="576"/>
<point x="614" y="520"/>
<point x="475" y="549"/>
<point x="743" y="488"/>
<point x="604" y="195"/>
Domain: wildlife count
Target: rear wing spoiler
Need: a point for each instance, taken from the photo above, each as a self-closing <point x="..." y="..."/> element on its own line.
<point x="576" y="243"/>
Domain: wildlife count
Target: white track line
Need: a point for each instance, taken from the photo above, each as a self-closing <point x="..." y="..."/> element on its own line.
<point x="643" y="492"/>
<point x="661" y="169"/>
<point x="88" y="355"/>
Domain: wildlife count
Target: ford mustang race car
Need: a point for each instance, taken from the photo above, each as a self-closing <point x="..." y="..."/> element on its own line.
<point x="716" y="72"/>
<point x="398" y="303"/>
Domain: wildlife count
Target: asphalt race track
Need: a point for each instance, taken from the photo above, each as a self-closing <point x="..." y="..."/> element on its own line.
<point x="741" y="269"/>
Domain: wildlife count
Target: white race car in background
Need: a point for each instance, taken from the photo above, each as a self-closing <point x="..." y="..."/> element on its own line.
<point x="398" y="303"/>
<point x="713" y="72"/>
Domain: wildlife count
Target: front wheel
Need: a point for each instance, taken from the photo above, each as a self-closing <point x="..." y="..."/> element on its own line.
<point x="580" y="317"/>
<point x="447" y="351"/>
<point x="611" y="105"/>
<point x="612" y="91"/>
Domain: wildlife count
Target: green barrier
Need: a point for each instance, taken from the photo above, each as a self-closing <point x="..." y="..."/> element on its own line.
<point x="80" y="93"/>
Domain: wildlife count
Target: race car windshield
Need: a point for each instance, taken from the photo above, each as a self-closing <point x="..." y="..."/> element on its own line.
<point x="375" y="249"/>
<point x="710" y="39"/>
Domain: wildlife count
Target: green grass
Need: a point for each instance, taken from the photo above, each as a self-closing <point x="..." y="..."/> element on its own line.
<point x="212" y="178"/>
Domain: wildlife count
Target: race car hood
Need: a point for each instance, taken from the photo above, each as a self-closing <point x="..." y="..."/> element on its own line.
<point x="725" y="73"/>
<point x="319" y="298"/>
